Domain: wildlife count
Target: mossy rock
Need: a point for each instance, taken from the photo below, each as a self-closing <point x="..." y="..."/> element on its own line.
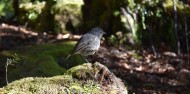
<point x="39" y="60"/>
<point x="99" y="73"/>
<point x="55" y="85"/>
<point x="100" y="81"/>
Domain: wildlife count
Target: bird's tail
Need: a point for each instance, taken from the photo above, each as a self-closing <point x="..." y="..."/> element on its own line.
<point x="67" y="58"/>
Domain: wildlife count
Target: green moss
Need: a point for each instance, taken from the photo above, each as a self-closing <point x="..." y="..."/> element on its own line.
<point x="85" y="71"/>
<point x="69" y="83"/>
<point x="57" y="84"/>
<point x="51" y="49"/>
<point x="41" y="65"/>
<point x="40" y="60"/>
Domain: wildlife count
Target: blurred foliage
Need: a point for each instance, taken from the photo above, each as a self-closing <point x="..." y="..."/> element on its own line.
<point x="47" y="15"/>
<point x="145" y="10"/>
<point x="68" y="15"/>
<point x="135" y="20"/>
<point x="156" y="19"/>
<point x="182" y="7"/>
<point x="29" y="12"/>
<point x="103" y="13"/>
<point x="62" y="15"/>
<point x="6" y="9"/>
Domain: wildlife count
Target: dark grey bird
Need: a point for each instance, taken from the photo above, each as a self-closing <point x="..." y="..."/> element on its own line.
<point x="89" y="43"/>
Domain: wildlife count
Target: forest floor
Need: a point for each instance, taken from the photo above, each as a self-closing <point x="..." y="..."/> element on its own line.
<point x="145" y="73"/>
<point x="141" y="70"/>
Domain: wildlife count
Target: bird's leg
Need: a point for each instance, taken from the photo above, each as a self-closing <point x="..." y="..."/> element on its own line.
<point x="85" y="59"/>
<point x="103" y="74"/>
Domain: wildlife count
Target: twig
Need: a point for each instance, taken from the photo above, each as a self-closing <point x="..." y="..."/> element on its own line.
<point x="6" y="67"/>
<point x="186" y="34"/>
<point x="151" y="41"/>
<point x="175" y="28"/>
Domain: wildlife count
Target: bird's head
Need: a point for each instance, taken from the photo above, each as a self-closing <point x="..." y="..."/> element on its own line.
<point x="97" y="31"/>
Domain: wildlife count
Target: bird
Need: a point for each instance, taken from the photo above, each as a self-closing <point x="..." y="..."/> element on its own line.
<point x="89" y="43"/>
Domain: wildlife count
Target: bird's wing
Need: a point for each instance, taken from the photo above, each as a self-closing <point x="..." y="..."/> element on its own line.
<point x="83" y="43"/>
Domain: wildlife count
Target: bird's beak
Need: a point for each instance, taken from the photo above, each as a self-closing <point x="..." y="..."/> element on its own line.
<point x="104" y="33"/>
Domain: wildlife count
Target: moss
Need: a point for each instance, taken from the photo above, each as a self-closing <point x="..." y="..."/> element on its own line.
<point x="40" y="60"/>
<point x="41" y="65"/>
<point x="50" y="49"/>
<point x="98" y="73"/>
<point x="58" y="84"/>
<point x="85" y="71"/>
<point x="70" y="83"/>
